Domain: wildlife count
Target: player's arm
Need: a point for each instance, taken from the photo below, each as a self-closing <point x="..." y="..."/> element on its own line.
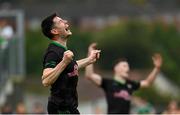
<point x="50" y="75"/>
<point x="89" y="70"/>
<point x="157" y="60"/>
<point x="89" y="60"/>
<point x="92" y="76"/>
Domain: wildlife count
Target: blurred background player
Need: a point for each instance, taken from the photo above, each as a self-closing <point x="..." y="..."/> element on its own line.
<point x="118" y="90"/>
<point x="38" y="108"/>
<point x="60" y="69"/>
<point x="172" y="108"/>
<point x="142" y="106"/>
<point x="21" y="108"/>
<point x="6" y="109"/>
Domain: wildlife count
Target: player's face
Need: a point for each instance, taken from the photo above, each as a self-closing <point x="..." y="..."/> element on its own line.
<point x="122" y="69"/>
<point x="173" y="105"/>
<point x="61" y="27"/>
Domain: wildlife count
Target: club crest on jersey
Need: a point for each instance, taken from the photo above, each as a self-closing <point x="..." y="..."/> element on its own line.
<point x="74" y="72"/>
<point x="129" y="86"/>
<point x="122" y="94"/>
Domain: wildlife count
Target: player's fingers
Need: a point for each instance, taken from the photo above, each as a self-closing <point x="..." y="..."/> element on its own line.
<point x="97" y="51"/>
<point x="92" y="46"/>
<point x="69" y="52"/>
<point x="98" y="55"/>
<point x="157" y="56"/>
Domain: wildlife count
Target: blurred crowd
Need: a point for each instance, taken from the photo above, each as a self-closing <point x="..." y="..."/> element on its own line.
<point x="6" y="32"/>
<point x="172" y="108"/>
<point x="22" y="109"/>
<point x="142" y="106"/>
<point x="145" y="107"/>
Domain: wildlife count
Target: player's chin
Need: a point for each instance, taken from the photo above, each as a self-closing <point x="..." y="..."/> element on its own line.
<point x="68" y="33"/>
<point x="126" y="75"/>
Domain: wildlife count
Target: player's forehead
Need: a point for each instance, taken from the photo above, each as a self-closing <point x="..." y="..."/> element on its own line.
<point x="57" y="18"/>
<point x="123" y="63"/>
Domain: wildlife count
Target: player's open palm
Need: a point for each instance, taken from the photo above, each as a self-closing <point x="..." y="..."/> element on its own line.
<point x="157" y="60"/>
<point x="68" y="56"/>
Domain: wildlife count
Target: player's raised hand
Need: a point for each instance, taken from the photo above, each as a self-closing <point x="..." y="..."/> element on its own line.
<point x="92" y="47"/>
<point x="93" y="53"/>
<point x="68" y="56"/>
<point x="157" y="60"/>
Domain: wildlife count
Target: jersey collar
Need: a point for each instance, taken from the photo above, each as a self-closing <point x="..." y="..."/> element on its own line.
<point x="121" y="81"/>
<point x="59" y="45"/>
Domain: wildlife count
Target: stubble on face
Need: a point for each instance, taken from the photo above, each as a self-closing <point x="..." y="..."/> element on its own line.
<point x="62" y="27"/>
<point x="122" y="69"/>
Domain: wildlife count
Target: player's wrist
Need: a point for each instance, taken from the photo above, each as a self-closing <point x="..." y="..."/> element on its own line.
<point x="158" y="67"/>
<point x="66" y="61"/>
<point x="90" y="60"/>
<point x="89" y="53"/>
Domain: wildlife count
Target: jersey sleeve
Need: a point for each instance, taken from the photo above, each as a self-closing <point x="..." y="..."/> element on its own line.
<point x="105" y="83"/>
<point x="50" y="60"/>
<point x="135" y="85"/>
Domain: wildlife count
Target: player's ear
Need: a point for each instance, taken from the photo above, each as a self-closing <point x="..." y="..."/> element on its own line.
<point x="54" y="31"/>
<point x="115" y="68"/>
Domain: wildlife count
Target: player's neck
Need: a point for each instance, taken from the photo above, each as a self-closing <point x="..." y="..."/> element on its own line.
<point x="61" y="41"/>
<point x="119" y="79"/>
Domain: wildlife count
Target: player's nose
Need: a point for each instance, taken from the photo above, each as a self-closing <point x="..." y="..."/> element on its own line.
<point x="65" y="21"/>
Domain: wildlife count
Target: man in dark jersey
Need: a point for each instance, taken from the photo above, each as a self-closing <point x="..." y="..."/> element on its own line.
<point x="118" y="90"/>
<point x="60" y="70"/>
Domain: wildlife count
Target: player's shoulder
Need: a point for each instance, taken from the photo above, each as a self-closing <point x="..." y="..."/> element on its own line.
<point x="107" y="80"/>
<point x="50" y="50"/>
<point x="54" y="48"/>
<point x="132" y="81"/>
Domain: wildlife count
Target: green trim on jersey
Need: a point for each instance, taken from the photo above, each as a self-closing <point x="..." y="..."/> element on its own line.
<point x="58" y="44"/>
<point x="51" y="63"/>
<point x="64" y="112"/>
<point x="120" y="81"/>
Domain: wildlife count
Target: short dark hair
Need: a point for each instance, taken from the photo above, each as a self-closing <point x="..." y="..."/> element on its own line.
<point x="123" y="59"/>
<point x="47" y="25"/>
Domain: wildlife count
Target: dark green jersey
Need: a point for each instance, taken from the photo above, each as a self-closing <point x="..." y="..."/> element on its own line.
<point x="118" y="95"/>
<point x="63" y="91"/>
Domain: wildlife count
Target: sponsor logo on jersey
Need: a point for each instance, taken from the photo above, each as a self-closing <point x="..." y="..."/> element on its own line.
<point x="74" y="72"/>
<point x="122" y="94"/>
